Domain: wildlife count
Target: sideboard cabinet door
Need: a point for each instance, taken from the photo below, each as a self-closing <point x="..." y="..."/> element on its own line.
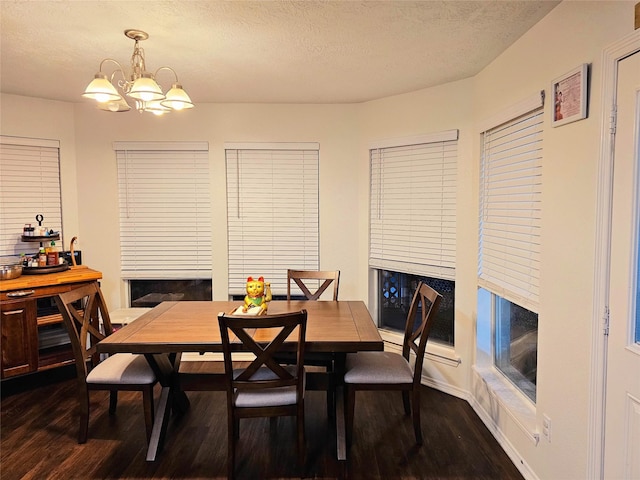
<point x="18" y="326"/>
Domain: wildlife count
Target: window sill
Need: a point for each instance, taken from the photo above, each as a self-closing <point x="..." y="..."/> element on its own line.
<point x="521" y="410"/>
<point x="435" y="352"/>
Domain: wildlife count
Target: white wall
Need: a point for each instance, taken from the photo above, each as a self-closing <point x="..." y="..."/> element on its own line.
<point x="573" y="33"/>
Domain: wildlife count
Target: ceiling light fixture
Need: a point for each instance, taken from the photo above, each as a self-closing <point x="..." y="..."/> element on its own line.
<point x="139" y="85"/>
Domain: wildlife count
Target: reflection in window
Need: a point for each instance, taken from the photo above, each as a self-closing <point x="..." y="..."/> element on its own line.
<point x="516" y="345"/>
<point x="149" y="293"/>
<point x="395" y="295"/>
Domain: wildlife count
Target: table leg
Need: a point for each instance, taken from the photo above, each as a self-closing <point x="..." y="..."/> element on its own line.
<point x="170" y="398"/>
<point x="341" y="434"/>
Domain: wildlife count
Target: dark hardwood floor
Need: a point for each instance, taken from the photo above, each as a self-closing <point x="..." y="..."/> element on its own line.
<point x="39" y="440"/>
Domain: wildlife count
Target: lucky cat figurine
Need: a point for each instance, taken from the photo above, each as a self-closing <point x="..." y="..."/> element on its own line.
<point x="258" y="295"/>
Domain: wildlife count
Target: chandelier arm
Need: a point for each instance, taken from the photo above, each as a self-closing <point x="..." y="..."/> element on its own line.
<point x="155" y="75"/>
<point x="121" y="83"/>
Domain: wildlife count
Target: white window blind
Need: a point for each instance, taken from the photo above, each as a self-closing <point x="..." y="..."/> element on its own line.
<point x="272" y="211"/>
<point x="165" y="210"/>
<point x="510" y="209"/>
<point x="29" y="185"/>
<point x="413" y="206"/>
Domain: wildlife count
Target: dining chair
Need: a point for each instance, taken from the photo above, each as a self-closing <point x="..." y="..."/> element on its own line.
<point x="87" y="320"/>
<point x="264" y="387"/>
<point x="304" y="279"/>
<point x="393" y="371"/>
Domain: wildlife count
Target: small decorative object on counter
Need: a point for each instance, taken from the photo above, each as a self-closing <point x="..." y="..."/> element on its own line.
<point x="257" y="298"/>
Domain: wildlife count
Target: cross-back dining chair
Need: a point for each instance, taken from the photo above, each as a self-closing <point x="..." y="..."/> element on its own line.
<point x="393" y="371"/>
<point x="82" y="309"/>
<point x="264" y="387"/>
<point x="303" y="279"/>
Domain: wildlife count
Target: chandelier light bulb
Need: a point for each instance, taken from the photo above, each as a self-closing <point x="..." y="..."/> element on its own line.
<point x="102" y="97"/>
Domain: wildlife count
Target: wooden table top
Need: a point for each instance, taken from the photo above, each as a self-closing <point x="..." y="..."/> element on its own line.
<point x="192" y="326"/>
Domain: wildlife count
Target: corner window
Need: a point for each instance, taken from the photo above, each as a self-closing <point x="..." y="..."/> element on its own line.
<point x="509" y="247"/>
<point x="413" y="224"/>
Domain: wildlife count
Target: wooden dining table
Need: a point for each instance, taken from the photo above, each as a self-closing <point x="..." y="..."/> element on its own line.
<point x="172" y="328"/>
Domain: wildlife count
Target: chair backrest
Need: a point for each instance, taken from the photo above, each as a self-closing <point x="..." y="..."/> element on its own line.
<point x="264" y="336"/>
<point x="427" y="301"/>
<point x="82" y="309"/>
<point x="299" y="277"/>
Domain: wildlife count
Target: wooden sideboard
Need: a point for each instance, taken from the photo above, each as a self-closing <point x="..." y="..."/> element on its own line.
<point x="30" y="325"/>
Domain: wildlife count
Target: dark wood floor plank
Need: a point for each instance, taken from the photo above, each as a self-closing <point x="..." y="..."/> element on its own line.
<point x="39" y="440"/>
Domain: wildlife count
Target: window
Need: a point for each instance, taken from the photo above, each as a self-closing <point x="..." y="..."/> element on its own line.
<point x="396" y="293"/>
<point x="29" y="186"/>
<point x="509" y="249"/>
<point x="272" y="212"/>
<point x="165" y="210"/>
<point x="413" y="223"/>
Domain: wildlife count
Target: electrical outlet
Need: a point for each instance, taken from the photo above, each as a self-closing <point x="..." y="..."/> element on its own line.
<point x="546" y="428"/>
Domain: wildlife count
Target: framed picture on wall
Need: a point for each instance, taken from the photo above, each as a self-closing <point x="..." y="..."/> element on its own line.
<point x="569" y="93"/>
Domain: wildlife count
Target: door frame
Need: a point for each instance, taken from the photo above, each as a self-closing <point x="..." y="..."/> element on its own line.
<point x="613" y="54"/>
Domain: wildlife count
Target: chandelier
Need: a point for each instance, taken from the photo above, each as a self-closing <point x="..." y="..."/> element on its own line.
<point x="138" y="85"/>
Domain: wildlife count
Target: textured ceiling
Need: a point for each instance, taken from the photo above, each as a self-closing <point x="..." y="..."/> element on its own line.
<point x="260" y="51"/>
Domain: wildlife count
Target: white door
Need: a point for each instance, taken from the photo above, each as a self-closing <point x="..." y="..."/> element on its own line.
<point x="622" y="417"/>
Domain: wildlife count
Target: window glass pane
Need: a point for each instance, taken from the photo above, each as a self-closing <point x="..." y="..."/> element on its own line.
<point x="396" y="293"/>
<point x="483" y="328"/>
<point x="149" y="293"/>
<point x="516" y="345"/>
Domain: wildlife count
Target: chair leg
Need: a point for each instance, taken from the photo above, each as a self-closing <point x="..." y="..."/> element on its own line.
<point x="113" y="401"/>
<point x="84" y="415"/>
<point x="149" y="414"/>
<point x="417" y="428"/>
<point x="349" y="411"/>
<point x="232" y="434"/>
<point x="301" y="439"/>
<point x="406" y="402"/>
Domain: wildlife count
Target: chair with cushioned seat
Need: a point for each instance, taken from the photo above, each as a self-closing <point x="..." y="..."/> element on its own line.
<point x="82" y="310"/>
<point x="393" y="371"/>
<point x="264" y="387"/>
<point x="304" y="280"/>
